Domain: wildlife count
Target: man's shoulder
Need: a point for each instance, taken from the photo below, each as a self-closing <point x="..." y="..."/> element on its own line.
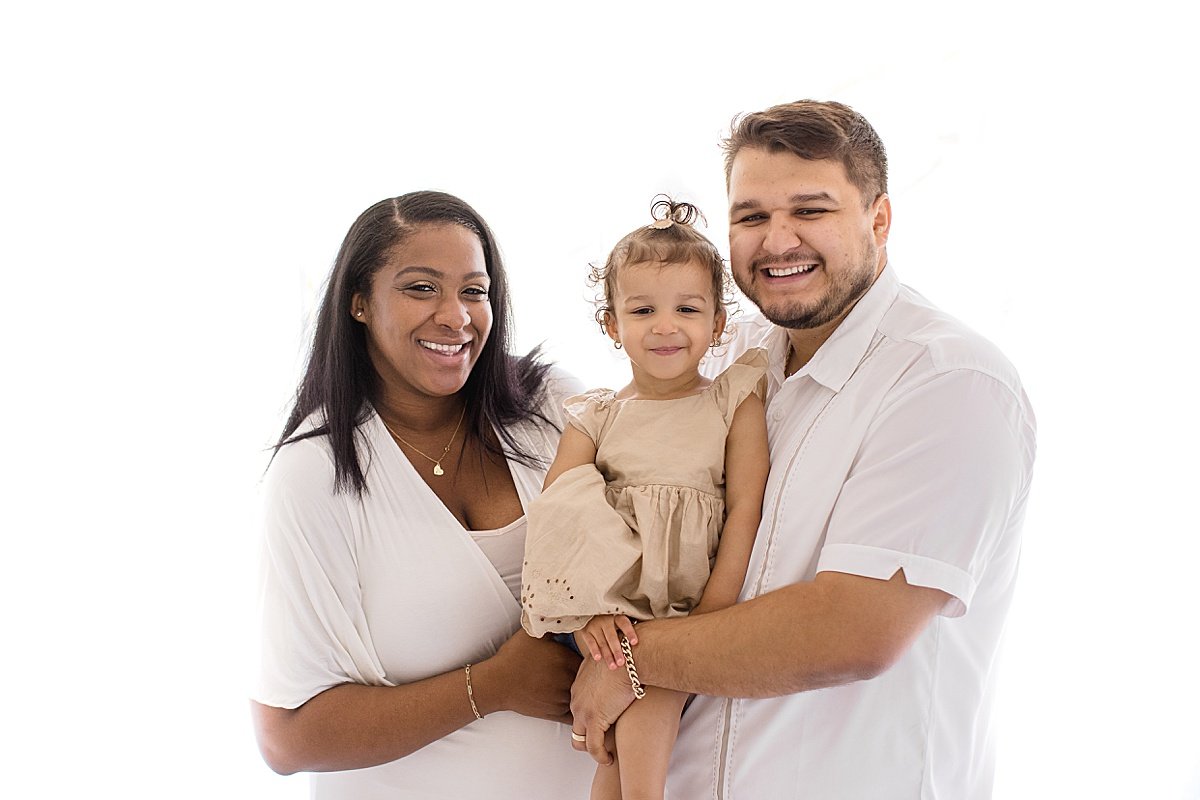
<point x="745" y="332"/>
<point x="949" y="343"/>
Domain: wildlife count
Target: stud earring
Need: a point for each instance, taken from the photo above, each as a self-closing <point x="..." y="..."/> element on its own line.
<point x="358" y="313"/>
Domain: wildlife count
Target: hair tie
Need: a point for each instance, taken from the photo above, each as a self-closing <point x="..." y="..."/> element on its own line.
<point x="666" y="212"/>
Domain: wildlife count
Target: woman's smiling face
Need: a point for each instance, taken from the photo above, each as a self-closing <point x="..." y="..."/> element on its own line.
<point x="428" y="315"/>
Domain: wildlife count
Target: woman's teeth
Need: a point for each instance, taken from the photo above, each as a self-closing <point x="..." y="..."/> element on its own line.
<point x="445" y="349"/>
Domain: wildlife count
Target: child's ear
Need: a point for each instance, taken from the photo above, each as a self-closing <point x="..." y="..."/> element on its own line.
<point x="610" y="326"/>
<point x="719" y="325"/>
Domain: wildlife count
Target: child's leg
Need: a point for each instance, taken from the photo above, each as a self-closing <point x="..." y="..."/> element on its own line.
<point x="645" y="737"/>
<point x="606" y="785"/>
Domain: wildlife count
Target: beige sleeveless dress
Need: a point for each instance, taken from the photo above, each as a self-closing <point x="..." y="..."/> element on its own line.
<point x="636" y="532"/>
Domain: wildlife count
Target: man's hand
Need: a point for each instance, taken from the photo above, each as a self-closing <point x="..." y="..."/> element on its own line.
<point x="598" y="696"/>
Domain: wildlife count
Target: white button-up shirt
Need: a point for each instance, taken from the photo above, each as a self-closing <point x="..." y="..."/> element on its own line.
<point x="906" y="442"/>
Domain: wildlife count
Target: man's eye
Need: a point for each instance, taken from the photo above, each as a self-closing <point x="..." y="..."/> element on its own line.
<point x="809" y="212"/>
<point x="750" y="219"/>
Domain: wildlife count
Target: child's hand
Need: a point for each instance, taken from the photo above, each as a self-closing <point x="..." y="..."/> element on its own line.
<point x="600" y="639"/>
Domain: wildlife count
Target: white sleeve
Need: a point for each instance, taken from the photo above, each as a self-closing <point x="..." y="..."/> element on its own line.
<point x="313" y="632"/>
<point x="935" y="487"/>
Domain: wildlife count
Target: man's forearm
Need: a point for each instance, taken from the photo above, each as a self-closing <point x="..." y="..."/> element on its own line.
<point x="831" y="631"/>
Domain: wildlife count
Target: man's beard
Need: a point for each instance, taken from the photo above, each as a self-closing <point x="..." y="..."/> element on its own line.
<point x="843" y="292"/>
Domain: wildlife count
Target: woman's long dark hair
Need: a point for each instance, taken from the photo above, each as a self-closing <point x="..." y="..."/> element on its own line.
<point x="340" y="381"/>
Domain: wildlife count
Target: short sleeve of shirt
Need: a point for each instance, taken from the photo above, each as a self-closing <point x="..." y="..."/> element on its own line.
<point x="313" y="627"/>
<point x="933" y="487"/>
<point x="589" y="411"/>
<point x="742" y="378"/>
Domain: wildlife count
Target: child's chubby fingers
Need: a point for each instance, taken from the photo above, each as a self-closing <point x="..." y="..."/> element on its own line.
<point x="614" y="645"/>
<point x="584" y="640"/>
<point x="627" y="627"/>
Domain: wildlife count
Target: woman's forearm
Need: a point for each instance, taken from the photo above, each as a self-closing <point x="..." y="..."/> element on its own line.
<point x="353" y="726"/>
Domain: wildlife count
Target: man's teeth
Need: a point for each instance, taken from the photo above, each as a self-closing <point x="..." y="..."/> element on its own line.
<point x="447" y="349"/>
<point x="783" y="272"/>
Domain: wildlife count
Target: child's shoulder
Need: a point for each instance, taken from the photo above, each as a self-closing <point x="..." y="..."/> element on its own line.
<point x="749" y="366"/>
<point x="589" y="411"/>
<point x="740" y="379"/>
<point x="594" y="398"/>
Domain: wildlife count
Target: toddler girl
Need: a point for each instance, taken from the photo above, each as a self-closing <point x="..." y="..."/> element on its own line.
<point x="652" y="503"/>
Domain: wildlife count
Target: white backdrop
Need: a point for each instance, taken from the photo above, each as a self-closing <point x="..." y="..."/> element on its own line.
<point x="175" y="183"/>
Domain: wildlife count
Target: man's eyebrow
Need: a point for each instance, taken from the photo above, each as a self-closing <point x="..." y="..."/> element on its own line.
<point x="796" y="199"/>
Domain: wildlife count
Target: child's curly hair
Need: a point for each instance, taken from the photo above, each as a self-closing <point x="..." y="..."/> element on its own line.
<point x="670" y="239"/>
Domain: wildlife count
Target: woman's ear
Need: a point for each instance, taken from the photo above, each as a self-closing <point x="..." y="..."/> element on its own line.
<point x="358" y="307"/>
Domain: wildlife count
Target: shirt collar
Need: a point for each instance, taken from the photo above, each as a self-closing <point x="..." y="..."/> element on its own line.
<point x="836" y="359"/>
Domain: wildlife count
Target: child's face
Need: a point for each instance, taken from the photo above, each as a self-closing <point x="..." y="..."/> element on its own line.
<point x="665" y="316"/>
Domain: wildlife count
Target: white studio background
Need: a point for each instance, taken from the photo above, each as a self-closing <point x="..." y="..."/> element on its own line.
<point x="175" y="181"/>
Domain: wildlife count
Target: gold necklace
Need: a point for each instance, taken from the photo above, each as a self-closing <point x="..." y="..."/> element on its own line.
<point x="437" y="462"/>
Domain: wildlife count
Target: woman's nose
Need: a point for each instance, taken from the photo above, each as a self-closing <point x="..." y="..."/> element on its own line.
<point x="452" y="313"/>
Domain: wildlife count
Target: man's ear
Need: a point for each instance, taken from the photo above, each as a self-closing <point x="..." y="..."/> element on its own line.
<point x="881" y="225"/>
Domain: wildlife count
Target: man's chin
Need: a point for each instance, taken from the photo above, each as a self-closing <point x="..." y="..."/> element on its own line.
<point x="795" y="318"/>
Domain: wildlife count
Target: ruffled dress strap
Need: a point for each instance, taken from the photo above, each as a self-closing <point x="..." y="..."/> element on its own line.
<point x="741" y="378"/>
<point x="589" y="411"/>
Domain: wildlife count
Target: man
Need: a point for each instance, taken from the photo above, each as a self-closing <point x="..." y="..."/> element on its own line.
<point x="861" y="662"/>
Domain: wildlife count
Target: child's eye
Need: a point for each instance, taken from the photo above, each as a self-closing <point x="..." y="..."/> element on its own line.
<point x="642" y="311"/>
<point x="688" y="310"/>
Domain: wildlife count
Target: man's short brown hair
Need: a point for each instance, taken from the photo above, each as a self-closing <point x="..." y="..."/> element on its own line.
<point x="815" y="131"/>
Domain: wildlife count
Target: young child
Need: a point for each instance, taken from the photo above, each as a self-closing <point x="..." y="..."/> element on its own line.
<point x="652" y="503"/>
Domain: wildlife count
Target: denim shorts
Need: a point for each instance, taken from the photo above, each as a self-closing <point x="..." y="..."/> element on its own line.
<point x="568" y="640"/>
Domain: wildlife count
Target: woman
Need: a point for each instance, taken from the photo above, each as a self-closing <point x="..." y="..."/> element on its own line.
<point x="394" y="531"/>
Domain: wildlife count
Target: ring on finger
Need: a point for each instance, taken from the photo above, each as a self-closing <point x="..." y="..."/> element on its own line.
<point x="579" y="737"/>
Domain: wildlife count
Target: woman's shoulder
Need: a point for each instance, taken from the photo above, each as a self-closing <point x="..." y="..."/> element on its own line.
<point x="306" y="461"/>
<point x="561" y="385"/>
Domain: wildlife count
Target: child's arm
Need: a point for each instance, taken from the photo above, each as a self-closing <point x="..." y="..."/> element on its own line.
<point x="747" y="462"/>
<point x="575" y="449"/>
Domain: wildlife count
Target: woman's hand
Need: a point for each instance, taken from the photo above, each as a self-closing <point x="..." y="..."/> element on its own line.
<point x="529" y="676"/>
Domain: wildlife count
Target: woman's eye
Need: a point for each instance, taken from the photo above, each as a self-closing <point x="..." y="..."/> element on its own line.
<point x="419" y="288"/>
<point x="476" y="292"/>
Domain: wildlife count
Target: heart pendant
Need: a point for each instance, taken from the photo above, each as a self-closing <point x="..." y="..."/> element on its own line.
<point x="437" y="470"/>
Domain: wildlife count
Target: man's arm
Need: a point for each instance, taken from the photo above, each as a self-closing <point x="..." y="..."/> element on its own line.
<point x="833" y="630"/>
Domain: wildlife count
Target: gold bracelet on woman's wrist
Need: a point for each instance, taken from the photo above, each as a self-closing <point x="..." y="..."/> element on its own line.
<point x="638" y="690"/>
<point x="471" y="693"/>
